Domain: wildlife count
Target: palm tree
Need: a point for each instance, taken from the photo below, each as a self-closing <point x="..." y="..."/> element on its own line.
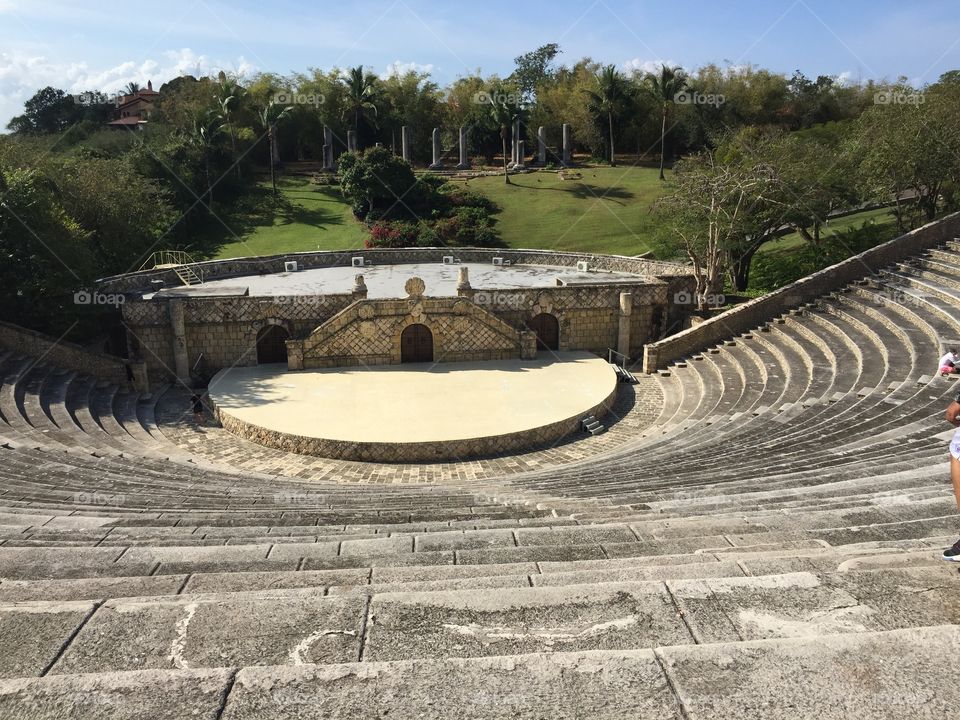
<point x="228" y="96"/>
<point x="132" y="88"/>
<point x="207" y="126"/>
<point x="609" y="99"/>
<point x="363" y="95"/>
<point x="664" y="88"/>
<point x="504" y="114"/>
<point x="270" y="116"/>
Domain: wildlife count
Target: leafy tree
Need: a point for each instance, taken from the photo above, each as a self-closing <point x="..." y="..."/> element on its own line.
<point x="229" y="95"/>
<point x="504" y="111"/>
<point x="609" y="99"/>
<point x="363" y="97"/>
<point x="718" y="213"/>
<point x="533" y="69"/>
<point x="376" y="182"/>
<point x="49" y="110"/>
<point x="270" y="116"/>
<point x="664" y="88"/>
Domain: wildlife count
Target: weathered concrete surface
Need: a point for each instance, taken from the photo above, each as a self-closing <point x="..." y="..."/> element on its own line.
<point x="520" y="620"/>
<point x="89" y="588"/>
<point x="899" y="674"/>
<point x="144" y="695"/>
<point x="561" y="686"/>
<point x="250" y="581"/>
<point x="32" y="634"/>
<point x="269" y="628"/>
<point x="753" y="608"/>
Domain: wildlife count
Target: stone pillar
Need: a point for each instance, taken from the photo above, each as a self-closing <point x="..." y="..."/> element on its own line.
<point x="352" y="140"/>
<point x="294" y="355"/>
<point x="359" y="288"/>
<point x="528" y="345"/>
<point x="464" y="161"/>
<point x="181" y="356"/>
<point x="541" y="146"/>
<point x="520" y="155"/>
<point x="514" y="142"/>
<point x="623" y="331"/>
<point x="437" y="150"/>
<point x="405" y="143"/>
<point x="567" y="145"/>
<point x="328" y="149"/>
<point x="464" y="289"/>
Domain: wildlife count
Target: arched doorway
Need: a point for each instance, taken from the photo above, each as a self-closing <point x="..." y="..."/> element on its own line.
<point x="547" y="328"/>
<point x="416" y="344"/>
<point x="272" y="344"/>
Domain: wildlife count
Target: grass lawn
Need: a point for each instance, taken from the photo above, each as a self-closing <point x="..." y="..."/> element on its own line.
<point x="314" y="217"/>
<point x="793" y="240"/>
<point x="605" y="210"/>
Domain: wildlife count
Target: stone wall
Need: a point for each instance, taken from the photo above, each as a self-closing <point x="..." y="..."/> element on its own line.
<point x="756" y="312"/>
<point x="368" y="333"/>
<point x="70" y="356"/>
<point x="140" y="282"/>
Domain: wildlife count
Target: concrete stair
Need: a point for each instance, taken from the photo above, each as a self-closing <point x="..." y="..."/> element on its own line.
<point x="766" y="544"/>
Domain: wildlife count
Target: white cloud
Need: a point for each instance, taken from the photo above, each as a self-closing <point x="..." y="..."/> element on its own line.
<point x="647" y="66"/>
<point x="845" y="78"/>
<point x="402" y="68"/>
<point x="21" y="75"/>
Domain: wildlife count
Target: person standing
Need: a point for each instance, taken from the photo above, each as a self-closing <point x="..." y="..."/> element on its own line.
<point x="953" y="417"/>
<point x="197" y="402"/>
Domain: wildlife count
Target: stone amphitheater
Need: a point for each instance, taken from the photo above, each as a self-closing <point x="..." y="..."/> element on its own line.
<point x="757" y="537"/>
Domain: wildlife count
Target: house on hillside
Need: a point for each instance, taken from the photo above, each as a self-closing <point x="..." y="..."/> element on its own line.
<point x="134" y="109"/>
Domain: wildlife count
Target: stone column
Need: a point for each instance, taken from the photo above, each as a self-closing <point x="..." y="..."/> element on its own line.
<point x="567" y="145"/>
<point x="528" y="345"/>
<point x="359" y="288"/>
<point x="352" y="140"/>
<point x="405" y="143"/>
<point x="464" y="289"/>
<point x="623" y="331"/>
<point x="520" y="155"/>
<point x="541" y="146"/>
<point x="437" y="151"/>
<point x="464" y="161"/>
<point x="181" y="357"/>
<point x="294" y="354"/>
<point x="328" y="149"/>
<point x="514" y="142"/>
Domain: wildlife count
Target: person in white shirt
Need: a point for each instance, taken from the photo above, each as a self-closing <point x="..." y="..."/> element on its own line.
<point x="953" y="417"/>
<point x="950" y="363"/>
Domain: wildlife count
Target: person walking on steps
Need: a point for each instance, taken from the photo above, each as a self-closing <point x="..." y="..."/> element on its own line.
<point x="953" y="417"/>
<point x="197" y="402"/>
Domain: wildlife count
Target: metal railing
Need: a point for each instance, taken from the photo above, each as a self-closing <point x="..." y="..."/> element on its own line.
<point x="621" y="358"/>
<point x="167" y="257"/>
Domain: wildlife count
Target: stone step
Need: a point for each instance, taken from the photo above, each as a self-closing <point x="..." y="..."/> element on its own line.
<point x="212" y="630"/>
<point x="675" y="681"/>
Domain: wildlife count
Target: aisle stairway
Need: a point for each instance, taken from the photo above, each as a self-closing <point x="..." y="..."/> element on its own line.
<point x="769" y="547"/>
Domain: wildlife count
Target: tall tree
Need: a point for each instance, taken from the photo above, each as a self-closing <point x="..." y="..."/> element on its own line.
<point x="504" y="111"/>
<point x="363" y="96"/>
<point x="533" y="68"/>
<point x="229" y="94"/>
<point x="665" y="86"/>
<point x="609" y="99"/>
<point x="269" y="117"/>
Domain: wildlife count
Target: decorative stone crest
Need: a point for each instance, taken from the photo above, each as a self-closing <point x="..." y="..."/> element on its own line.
<point x="366" y="312"/>
<point x="461" y="307"/>
<point x="415" y="287"/>
<point x="368" y="329"/>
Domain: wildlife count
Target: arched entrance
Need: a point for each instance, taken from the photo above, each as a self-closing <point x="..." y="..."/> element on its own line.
<point x="272" y="344"/>
<point x="547" y="328"/>
<point x="416" y="344"/>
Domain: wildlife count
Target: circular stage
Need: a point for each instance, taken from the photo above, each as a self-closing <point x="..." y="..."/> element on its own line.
<point x="414" y="412"/>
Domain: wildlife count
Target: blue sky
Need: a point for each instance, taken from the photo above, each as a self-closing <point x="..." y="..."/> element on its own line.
<point x="99" y="45"/>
